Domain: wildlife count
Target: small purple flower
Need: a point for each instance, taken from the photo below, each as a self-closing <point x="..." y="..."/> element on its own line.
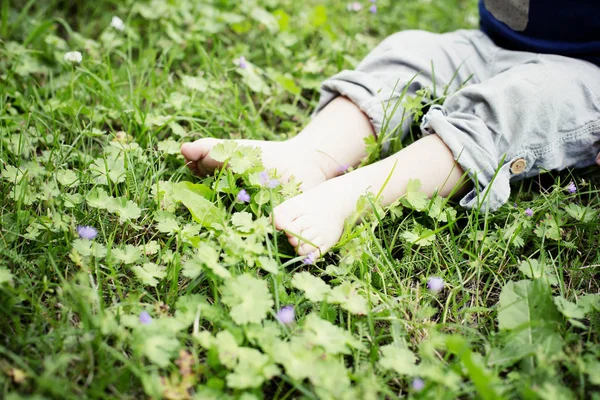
<point x="241" y="62"/>
<point x="373" y="9"/>
<point x="273" y="183"/>
<point x="373" y="1"/>
<point x="354" y="6"/>
<point x="343" y="168"/>
<point x="286" y="315"/>
<point x="418" y="384"/>
<point x="145" y="318"/>
<point x="243" y="196"/>
<point x="264" y="177"/>
<point x="87" y="232"/>
<point x="571" y="188"/>
<point x="310" y="259"/>
<point x="529" y="212"/>
<point x="435" y="284"/>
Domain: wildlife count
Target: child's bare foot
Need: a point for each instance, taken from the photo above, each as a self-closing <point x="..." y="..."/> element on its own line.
<point x="317" y="216"/>
<point x="289" y="158"/>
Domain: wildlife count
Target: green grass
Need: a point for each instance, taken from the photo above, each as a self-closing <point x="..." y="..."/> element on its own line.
<point x="97" y="144"/>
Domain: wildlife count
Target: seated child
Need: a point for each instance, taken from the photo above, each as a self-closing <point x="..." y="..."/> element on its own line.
<point x="531" y="102"/>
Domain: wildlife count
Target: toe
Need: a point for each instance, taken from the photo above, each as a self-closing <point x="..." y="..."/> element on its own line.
<point x="293" y="240"/>
<point x="305" y="249"/>
<point x="284" y="215"/>
<point x="199" y="149"/>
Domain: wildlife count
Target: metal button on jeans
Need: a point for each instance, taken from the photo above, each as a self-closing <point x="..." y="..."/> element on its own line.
<point x="518" y="166"/>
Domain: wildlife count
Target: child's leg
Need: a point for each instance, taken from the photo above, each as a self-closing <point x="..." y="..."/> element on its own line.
<point x="334" y="138"/>
<point x="541" y="113"/>
<point x="318" y="215"/>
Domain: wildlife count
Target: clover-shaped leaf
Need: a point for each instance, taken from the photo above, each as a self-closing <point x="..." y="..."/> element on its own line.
<point x="249" y="299"/>
<point x="401" y="360"/>
<point x="314" y="288"/>
<point x="242" y="221"/>
<point x="149" y="273"/>
<point x="333" y="339"/>
<point x="127" y="210"/>
<point x="223" y="151"/>
<point x="346" y="295"/>
<point x="415" y="198"/>
<point x="127" y="255"/>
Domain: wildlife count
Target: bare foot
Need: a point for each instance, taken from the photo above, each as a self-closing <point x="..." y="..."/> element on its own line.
<point x="318" y="215"/>
<point x="314" y="220"/>
<point x="289" y="158"/>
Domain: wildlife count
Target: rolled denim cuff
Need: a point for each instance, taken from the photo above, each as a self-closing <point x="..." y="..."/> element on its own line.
<point x="473" y="149"/>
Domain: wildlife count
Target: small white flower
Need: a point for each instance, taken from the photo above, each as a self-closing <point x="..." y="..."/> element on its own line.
<point x="73" y="57"/>
<point x="117" y="23"/>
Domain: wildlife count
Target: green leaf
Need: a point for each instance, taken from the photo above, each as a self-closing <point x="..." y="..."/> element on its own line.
<point x="149" y="273"/>
<point x="589" y="302"/>
<point x="194" y="82"/>
<point x="266" y="18"/>
<point x="533" y="269"/>
<point x="245" y="158"/>
<point x="242" y="221"/>
<point x="112" y="167"/>
<point x="206" y="256"/>
<point x="314" y="288"/>
<point x="254" y="80"/>
<point x="249" y="299"/>
<point x="126" y="210"/>
<point x="319" y="16"/>
<point x="526" y="309"/>
<point x="283" y="19"/>
<point x="418" y="200"/>
<point x="583" y="214"/>
<point x="288" y="83"/>
<point x="5" y="276"/>
<point x="128" y="254"/>
<point x="223" y="151"/>
<point x="166" y="222"/>
<point x="203" y="211"/>
<point x="67" y="177"/>
<point x="227" y="348"/>
<point x="568" y="309"/>
<point x="331" y="338"/>
<point x="483" y="379"/>
<point x="397" y="359"/>
<point x="98" y="198"/>
<point x="268" y="264"/>
<point x="252" y="370"/>
<point x="592" y="368"/>
<point x="298" y="359"/>
<point x="425" y="238"/>
<point x="439" y="213"/>
<point x="169" y="146"/>
<point x="549" y="228"/>
<point x="347" y="296"/>
<point x="158" y="348"/>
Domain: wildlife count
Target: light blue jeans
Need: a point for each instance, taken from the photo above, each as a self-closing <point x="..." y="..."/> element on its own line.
<point x="518" y="114"/>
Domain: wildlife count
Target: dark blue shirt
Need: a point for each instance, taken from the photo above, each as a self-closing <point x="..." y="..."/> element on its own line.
<point x="569" y="28"/>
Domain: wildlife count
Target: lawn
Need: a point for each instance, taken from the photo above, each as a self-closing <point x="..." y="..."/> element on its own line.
<point x="124" y="276"/>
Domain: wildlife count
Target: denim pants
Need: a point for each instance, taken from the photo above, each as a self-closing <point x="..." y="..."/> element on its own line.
<point x="518" y="113"/>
